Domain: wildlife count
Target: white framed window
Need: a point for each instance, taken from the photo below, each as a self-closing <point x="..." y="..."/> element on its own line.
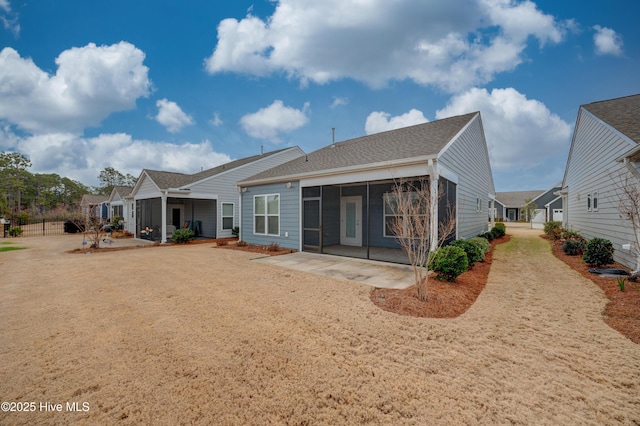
<point x="588" y="202"/>
<point x="227" y="216"/>
<point x="266" y="214"/>
<point x="390" y="218"/>
<point x="594" y="201"/>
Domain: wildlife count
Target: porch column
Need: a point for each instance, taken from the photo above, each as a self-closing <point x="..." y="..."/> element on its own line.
<point x="163" y="209"/>
<point x="433" y="193"/>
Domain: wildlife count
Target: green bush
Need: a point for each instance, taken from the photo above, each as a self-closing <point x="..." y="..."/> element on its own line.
<point x="499" y="230"/>
<point x="598" y="252"/>
<point x="483" y="243"/>
<point x="15" y="231"/>
<point x="553" y="229"/>
<point x="474" y="252"/>
<point x="567" y="234"/>
<point x="182" y="236"/>
<point x="487" y="236"/>
<point x="449" y="262"/>
<point x="574" y="247"/>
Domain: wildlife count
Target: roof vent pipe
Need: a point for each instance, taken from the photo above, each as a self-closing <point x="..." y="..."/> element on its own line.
<point x="261" y="149"/>
<point x="333" y="137"/>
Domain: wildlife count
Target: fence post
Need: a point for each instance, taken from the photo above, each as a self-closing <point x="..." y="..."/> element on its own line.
<point x="43" y="226"/>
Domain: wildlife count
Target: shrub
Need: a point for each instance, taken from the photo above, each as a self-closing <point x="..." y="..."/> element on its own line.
<point x="182" y="236"/>
<point x="574" y="247"/>
<point x="553" y="229"/>
<point x="242" y="243"/>
<point x="235" y="231"/>
<point x="474" y="252"/>
<point x="598" y="252"/>
<point x="499" y="230"/>
<point x="15" y="231"/>
<point x="487" y="236"/>
<point x="221" y="243"/>
<point x="449" y="262"/>
<point x="568" y="234"/>
<point x="483" y="243"/>
<point x="273" y="247"/>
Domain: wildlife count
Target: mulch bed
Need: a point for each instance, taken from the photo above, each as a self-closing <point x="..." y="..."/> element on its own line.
<point x="623" y="311"/>
<point x="271" y="250"/>
<point x="445" y="299"/>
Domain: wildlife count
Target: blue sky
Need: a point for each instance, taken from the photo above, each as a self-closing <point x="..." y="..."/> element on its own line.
<point x="181" y="86"/>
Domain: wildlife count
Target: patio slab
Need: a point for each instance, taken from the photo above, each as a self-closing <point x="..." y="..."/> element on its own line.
<point x="370" y="272"/>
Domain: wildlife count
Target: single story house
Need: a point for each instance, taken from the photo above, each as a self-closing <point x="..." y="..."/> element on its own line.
<point x="206" y="202"/>
<point x="510" y="205"/>
<point x="94" y="207"/>
<point x="121" y="204"/>
<point x="604" y="156"/>
<point x="336" y="200"/>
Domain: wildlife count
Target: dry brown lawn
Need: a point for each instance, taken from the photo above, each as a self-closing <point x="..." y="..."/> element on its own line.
<point x="196" y="335"/>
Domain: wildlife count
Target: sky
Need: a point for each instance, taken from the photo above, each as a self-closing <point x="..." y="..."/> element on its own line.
<point x="185" y="86"/>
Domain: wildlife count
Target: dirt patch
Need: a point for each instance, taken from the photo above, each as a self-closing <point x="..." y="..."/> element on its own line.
<point x="445" y="299"/>
<point x="623" y="310"/>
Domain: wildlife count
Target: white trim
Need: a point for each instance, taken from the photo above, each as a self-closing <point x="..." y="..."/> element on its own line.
<point x="266" y="214"/>
<point x="223" y="217"/>
<point x="369" y="175"/>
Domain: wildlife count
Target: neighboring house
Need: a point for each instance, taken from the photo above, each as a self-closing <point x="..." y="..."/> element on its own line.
<point x="94" y="206"/>
<point x="334" y="200"/>
<point x="206" y="202"/>
<point x="547" y="203"/>
<point x="604" y="149"/>
<point x="121" y="204"/>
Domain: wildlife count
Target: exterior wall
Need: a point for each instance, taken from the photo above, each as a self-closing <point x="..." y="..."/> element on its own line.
<point x="224" y="184"/>
<point x="591" y="167"/>
<point x="546" y="197"/>
<point x="468" y="158"/>
<point x="147" y="189"/>
<point x="289" y="235"/>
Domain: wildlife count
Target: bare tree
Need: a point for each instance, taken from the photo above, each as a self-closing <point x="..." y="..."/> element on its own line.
<point x="415" y="221"/>
<point x="528" y="210"/>
<point x="627" y="188"/>
<point x="94" y="232"/>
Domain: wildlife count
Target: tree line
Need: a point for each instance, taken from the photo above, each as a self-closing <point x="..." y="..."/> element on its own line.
<point x="42" y="194"/>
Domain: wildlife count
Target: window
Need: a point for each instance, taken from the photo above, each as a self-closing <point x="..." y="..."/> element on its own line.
<point x="227" y="216"/>
<point x="595" y="201"/>
<point x="478" y="204"/>
<point x="588" y="202"/>
<point x="266" y="214"/>
<point x="390" y="218"/>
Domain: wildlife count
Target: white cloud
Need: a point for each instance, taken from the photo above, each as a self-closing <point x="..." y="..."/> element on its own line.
<point x="379" y="121"/>
<point x="452" y="44"/>
<point x="338" y="101"/>
<point x="270" y="122"/>
<point x="91" y="82"/>
<point x="607" y="41"/>
<point x="216" y="120"/>
<point x="8" y="18"/>
<point x="82" y="159"/>
<point x="521" y="133"/>
<point x="171" y="116"/>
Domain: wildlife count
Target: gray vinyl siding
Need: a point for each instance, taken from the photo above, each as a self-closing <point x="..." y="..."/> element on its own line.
<point x="147" y="189"/>
<point x="545" y="198"/>
<point x="468" y="158"/>
<point x="289" y="236"/>
<point x="591" y="167"/>
<point x="224" y="184"/>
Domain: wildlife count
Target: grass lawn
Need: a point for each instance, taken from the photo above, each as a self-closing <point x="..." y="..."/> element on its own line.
<point x="9" y="246"/>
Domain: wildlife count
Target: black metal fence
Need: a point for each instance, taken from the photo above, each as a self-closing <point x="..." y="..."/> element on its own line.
<point x="22" y="227"/>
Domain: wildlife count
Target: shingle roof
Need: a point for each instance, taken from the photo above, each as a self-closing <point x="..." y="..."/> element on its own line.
<point x="408" y="142"/>
<point x="622" y="113"/>
<point x="517" y="198"/>
<point x="166" y="180"/>
<point x="90" y="199"/>
<point x="124" y="190"/>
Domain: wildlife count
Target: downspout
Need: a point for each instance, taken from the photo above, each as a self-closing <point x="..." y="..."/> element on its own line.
<point x="163" y="196"/>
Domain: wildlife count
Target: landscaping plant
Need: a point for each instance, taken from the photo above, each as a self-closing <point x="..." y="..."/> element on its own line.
<point x="598" y="252"/>
<point x="499" y="230"/>
<point x="182" y="236"/>
<point x="574" y="247"/>
<point x="621" y="283"/>
<point x="449" y="262"/>
<point x="483" y="243"/>
<point x="474" y="252"/>
<point x="553" y="229"/>
<point x="15" y="231"/>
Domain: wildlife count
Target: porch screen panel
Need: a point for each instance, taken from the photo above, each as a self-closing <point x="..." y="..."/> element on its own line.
<point x="311" y="224"/>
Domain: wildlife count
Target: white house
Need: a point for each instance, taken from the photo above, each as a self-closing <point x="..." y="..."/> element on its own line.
<point x="604" y="152"/>
<point x="206" y="202"/>
<point x="121" y="204"/>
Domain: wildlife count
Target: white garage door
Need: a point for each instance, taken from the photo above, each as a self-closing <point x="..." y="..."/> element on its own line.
<point x="557" y="215"/>
<point x="538" y="219"/>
